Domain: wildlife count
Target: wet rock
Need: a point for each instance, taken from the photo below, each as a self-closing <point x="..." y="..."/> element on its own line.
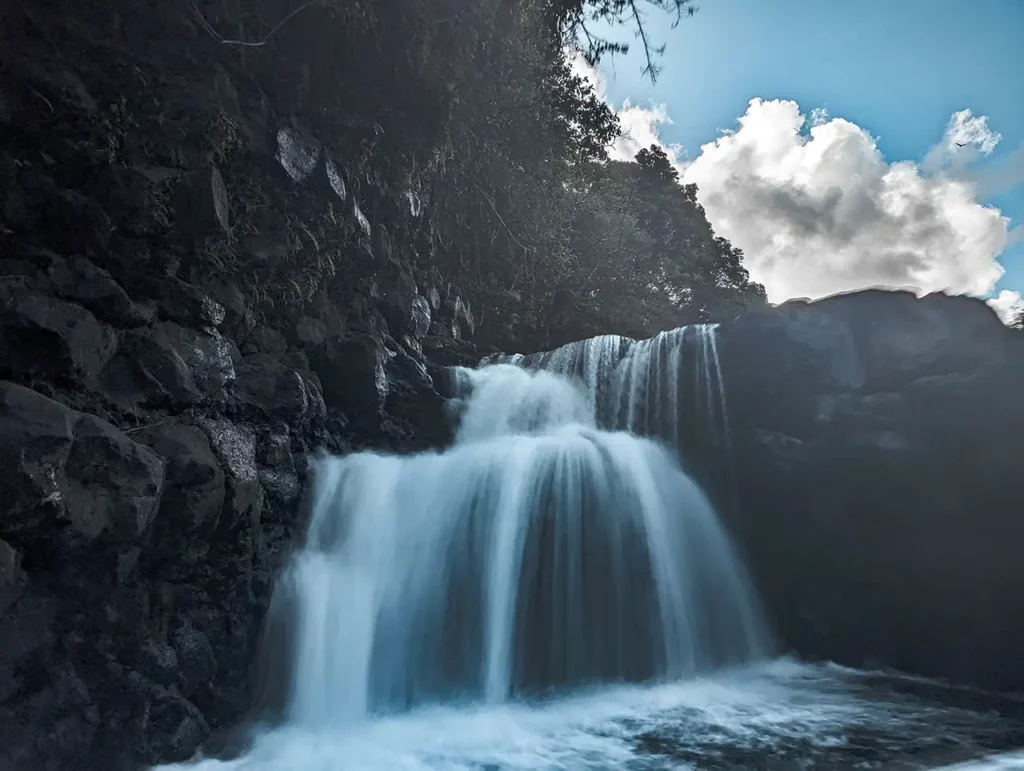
<point x="264" y="383"/>
<point x="316" y="412"/>
<point x="72" y="472"/>
<point x="398" y="299"/>
<point x="49" y="78"/>
<point x="458" y="309"/>
<point x="277" y="467"/>
<point x="415" y="205"/>
<point x="12" y="578"/>
<point x="158" y="661"/>
<point x="311" y="331"/>
<point x="351" y="370"/>
<point x="298" y="153"/>
<point x="35" y="440"/>
<point x="385" y="249"/>
<point x="235" y="448"/>
<point x="209" y="357"/>
<point x="168" y="726"/>
<point x="420" y="317"/>
<point x="434" y="298"/>
<point x="219" y="200"/>
<point x="30" y="631"/>
<point x="112" y="483"/>
<point x="198" y="664"/>
<point x="45" y="337"/>
<point x="363" y="224"/>
<point x="860" y="423"/>
<point x="149" y="370"/>
<point x="194" y="487"/>
<point x="202" y="204"/>
<point x="335" y="180"/>
<point x="238" y="317"/>
<point x="269" y="341"/>
<point x="449" y="352"/>
<point x="186" y="304"/>
<point x="168" y="363"/>
<point x="79" y="280"/>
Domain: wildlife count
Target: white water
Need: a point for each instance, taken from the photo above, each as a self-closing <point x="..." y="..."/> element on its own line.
<point x="647" y="387"/>
<point x="483" y="609"/>
<point x="776" y="715"/>
<point x="538" y="552"/>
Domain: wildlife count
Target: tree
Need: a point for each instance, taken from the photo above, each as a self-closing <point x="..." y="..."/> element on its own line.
<point x="571" y="18"/>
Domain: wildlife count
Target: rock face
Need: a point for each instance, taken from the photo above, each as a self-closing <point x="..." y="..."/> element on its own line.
<point x="878" y="443"/>
<point x="196" y="297"/>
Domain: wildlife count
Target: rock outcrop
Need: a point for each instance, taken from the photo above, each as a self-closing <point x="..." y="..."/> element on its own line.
<point x="197" y="296"/>
<point x="878" y="442"/>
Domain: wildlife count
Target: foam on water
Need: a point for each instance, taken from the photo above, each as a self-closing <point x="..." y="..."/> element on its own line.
<point x="817" y="717"/>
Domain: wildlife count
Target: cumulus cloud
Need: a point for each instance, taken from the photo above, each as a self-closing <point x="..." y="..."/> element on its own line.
<point x="641" y="126"/>
<point x="1009" y="305"/>
<point x="818" y="210"/>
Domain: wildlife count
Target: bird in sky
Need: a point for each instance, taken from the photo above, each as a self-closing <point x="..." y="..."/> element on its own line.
<point x="960" y="144"/>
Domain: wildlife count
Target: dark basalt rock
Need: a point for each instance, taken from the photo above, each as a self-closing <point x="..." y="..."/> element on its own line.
<point x="79" y="280"/>
<point x="299" y="154"/>
<point x="71" y="474"/>
<point x="151" y="478"/>
<point x="265" y="384"/>
<point x="876" y="439"/>
<point x="277" y="467"/>
<point x="194" y="491"/>
<point x="170" y="364"/>
<point x="351" y="370"/>
<point x="50" y="338"/>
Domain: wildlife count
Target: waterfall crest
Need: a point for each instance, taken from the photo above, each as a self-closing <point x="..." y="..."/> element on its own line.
<point x="541" y="551"/>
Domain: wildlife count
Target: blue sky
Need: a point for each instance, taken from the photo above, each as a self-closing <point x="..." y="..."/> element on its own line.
<point x="898" y="69"/>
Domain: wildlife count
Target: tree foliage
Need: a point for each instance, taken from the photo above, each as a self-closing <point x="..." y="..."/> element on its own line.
<point x="476" y="107"/>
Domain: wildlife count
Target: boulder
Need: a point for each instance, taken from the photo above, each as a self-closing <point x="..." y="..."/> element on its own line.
<point x="112" y="484"/>
<point x="79" y="280"/>
<point x="351" y="370"/>
<point x="235" y="448"/>
<point x="194" y="491"/>
<point x="298" y="153"/>
<point x="265" y="384"/>
<point x="72" y="477"/>
<point x="46" y="337"/>
<point x="170" y="364"/>
<point x="277" y="467"/>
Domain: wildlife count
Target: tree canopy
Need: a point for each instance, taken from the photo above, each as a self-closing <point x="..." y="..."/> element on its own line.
<point x="477" y="108"/>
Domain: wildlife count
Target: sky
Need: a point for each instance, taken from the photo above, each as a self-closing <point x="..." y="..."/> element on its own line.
<point x="823" y="136"/>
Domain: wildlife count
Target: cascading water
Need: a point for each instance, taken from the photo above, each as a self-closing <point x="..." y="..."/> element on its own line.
<point x="538" y="552"/>
<point x="436" y="594"/>
<point x="669" y="386"/>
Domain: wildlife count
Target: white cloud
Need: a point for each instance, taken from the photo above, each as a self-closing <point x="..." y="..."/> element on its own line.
<point x="641" y="126"/>
<point x="818" y="210"/>
<point x="967" y="138"/>
<point x="1009" y="305"/>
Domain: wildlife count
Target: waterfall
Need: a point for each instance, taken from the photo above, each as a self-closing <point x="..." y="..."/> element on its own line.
<point x="669" y="387"/>
<point x="541" y="551"/>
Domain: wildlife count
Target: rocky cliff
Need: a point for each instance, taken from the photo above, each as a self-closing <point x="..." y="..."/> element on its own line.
<point x="197" y="295"/>
<point x="879" y="444"/>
